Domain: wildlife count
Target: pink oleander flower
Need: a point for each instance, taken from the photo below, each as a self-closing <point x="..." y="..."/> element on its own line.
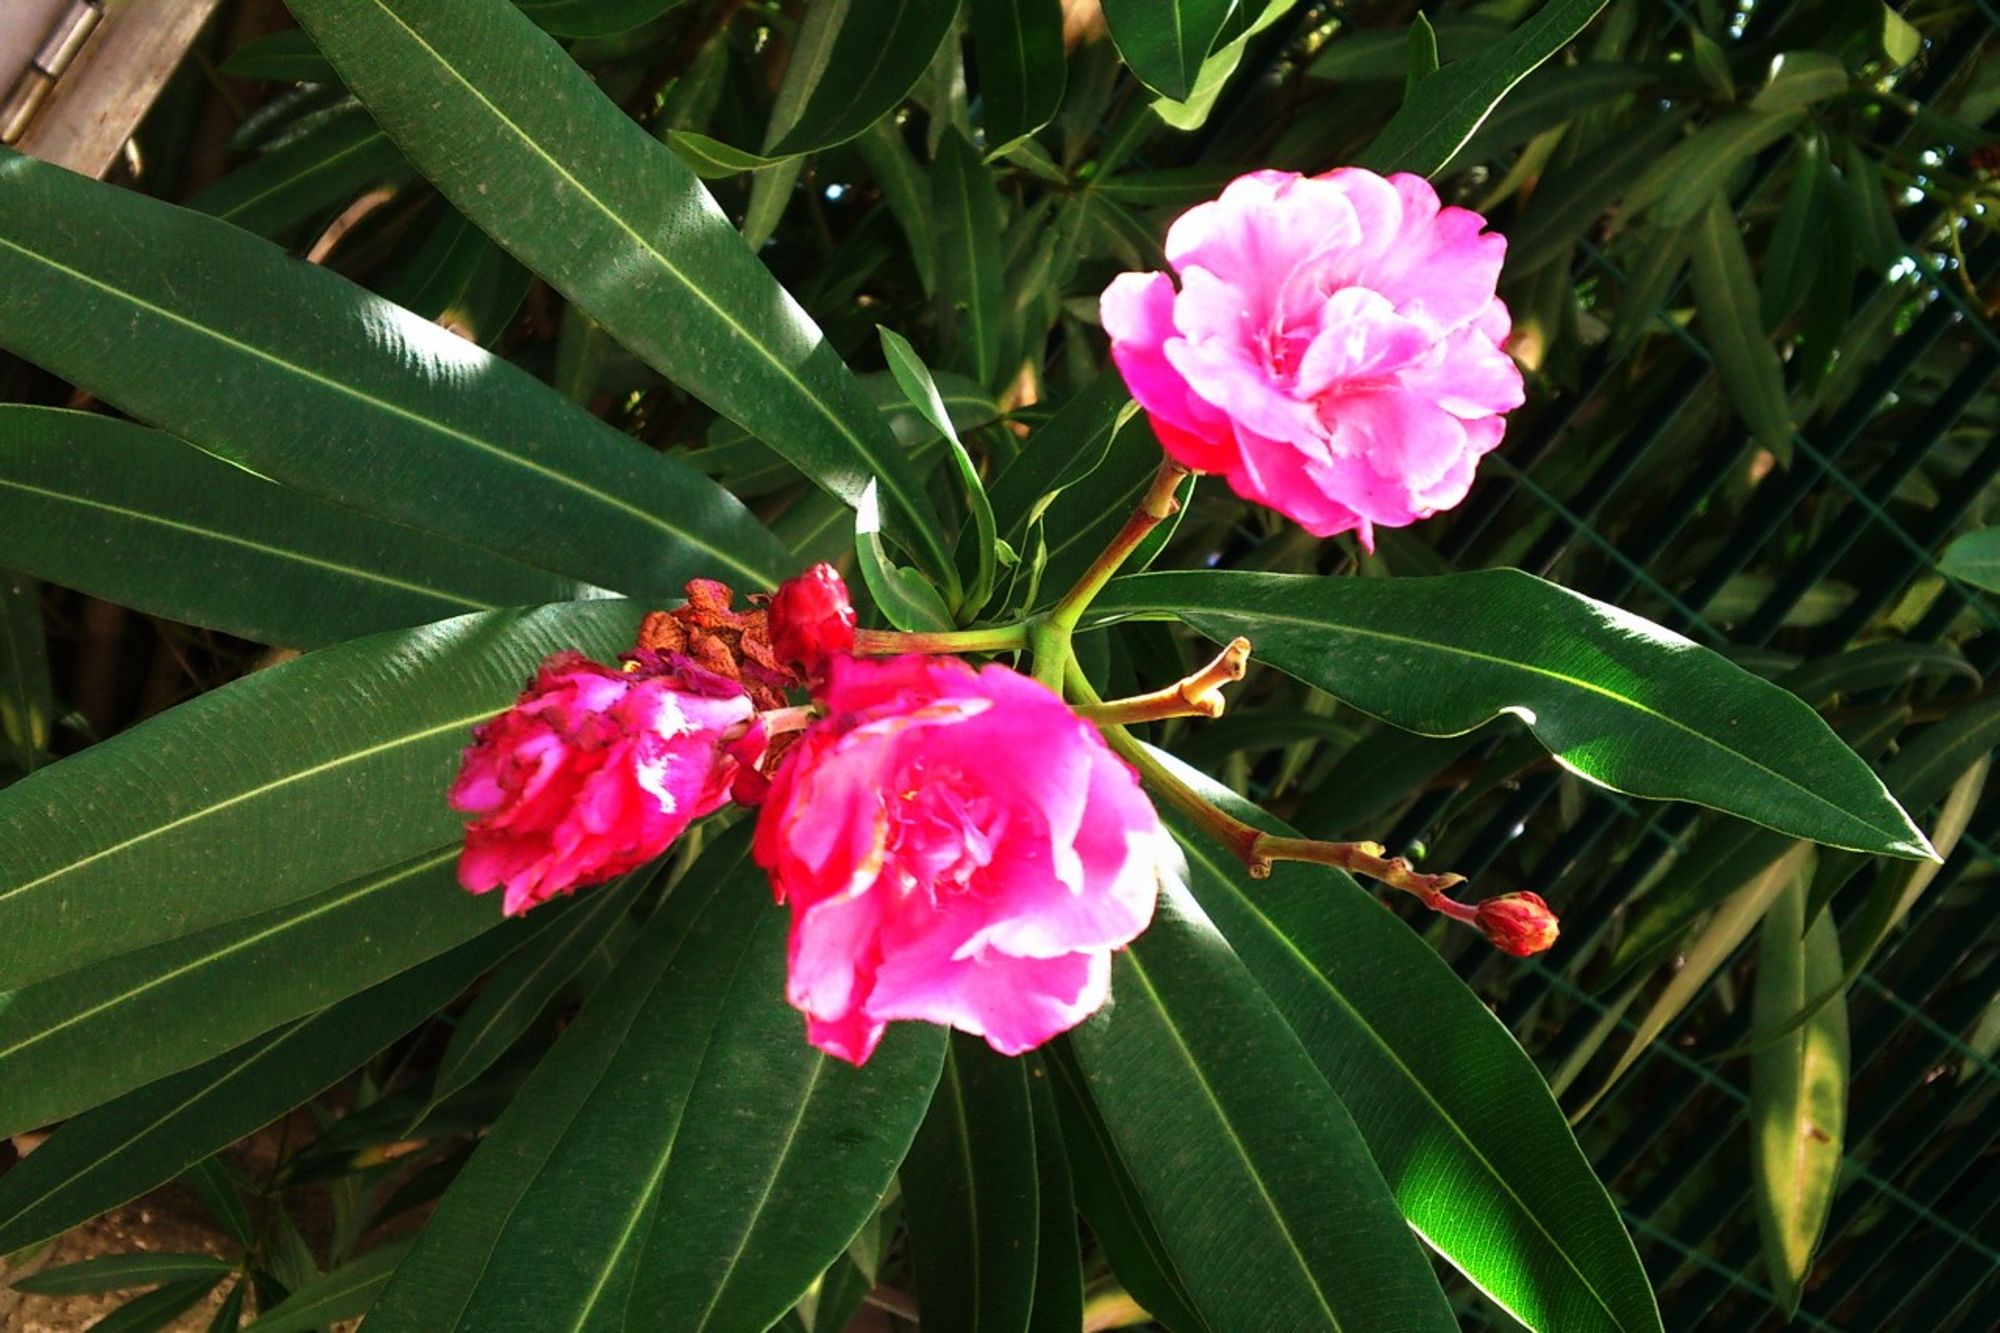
<point x="956" y="846"/>
<point x="592" y="773"/>
<point x="812" y="619"/>
<point x="1333" y="349"/>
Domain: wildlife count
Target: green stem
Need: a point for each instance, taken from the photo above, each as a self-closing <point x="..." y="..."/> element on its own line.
<point x="989" y="639"/>
<point x="1050" y="645"/>
<point x="1153" y="509"/>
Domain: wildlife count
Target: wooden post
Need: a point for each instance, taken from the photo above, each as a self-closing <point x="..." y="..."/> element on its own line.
<point x="100" y="99"/>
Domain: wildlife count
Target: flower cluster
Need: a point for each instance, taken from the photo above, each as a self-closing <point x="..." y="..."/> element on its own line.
<point x="958" y="845"/>
<point x="955" y="845"/>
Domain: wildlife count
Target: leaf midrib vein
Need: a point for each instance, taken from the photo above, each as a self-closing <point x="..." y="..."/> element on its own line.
<point x="1326" y="983"/>
<point x="276" y="552"/>
<point x="210" y="959"/>
<point x="1432" y="645"/>
<point x="297" y="775"/>
<point x="393" y="409"/>
<point x="1236" y="1142"/>
<point x="884" y="477"/>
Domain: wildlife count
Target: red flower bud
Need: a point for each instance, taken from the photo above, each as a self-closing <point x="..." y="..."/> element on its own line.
<point x="812" y="619"/>
<point x="1517" y="923"/>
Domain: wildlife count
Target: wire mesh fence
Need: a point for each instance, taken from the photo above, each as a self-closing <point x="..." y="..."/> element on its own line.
<point x="1666" y="519"/>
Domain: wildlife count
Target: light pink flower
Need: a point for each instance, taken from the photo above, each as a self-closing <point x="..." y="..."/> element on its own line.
<point x="592" y="773"/>
<point x="958" y="847"/>
<point x="1333" y="348"/>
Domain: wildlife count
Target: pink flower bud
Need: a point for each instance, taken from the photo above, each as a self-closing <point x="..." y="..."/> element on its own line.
<point x="1517" y="923"/>
<point x="1333" y="348"/>
<point x="812" y="620"/>
<point x="957" y="847"/>
<point x="591" y="773"/>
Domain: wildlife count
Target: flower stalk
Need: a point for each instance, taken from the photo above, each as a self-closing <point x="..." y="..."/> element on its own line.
<point x="1259" y="850"/>
<point x="1197" y="695"/>
<point x="1154" y="508"/>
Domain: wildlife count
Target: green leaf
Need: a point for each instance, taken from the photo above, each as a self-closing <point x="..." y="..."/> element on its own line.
<point x="344" y="1293"/>
<point x="1615" y="698"/>
<point x="1571" y="203"/>
<point x="1798" y="1092"/>
<point x="243" y="799"/>
<point x="119" y="1271"/>
<point x="1680" y="183"/>
<point x="227" y="549"/>
<point x="922" y="391"/>
<point x="1422" y="60"/>
<point x="906" y="192"/>
<point x="1792" y="256"/>
<point x="1191" y="113"/>
<point x="967" y="214"/>
<point x="1262" y="1188"/>
<point x="66" y="1042"/>
<point x="280" y="57"/>
<point x="1059" y="1251"/>
<point x="1722" y="857"/>
<point x="1456" y="1116"/>
<point x="1109" y="1200"/>
<point x="1381" y="55"/>
<point x="713" y="159"/>
<point x="1546" y="99"/>
<point x="879" y="52"/>
<point x="229" y="1314"/>
<point x="593" y="18"/>
<point x="1711" y="947"/>
<point x="526" y="145"/>
<point x="148" y="1137"/>
<point x="1439" y="117"/>
<point x="327" y="165"/>
<point x="1712" y="64"/>
<point x="459" y="278"/>
<point x="245" y="346"/>
<point x="1883" y="665"/>
<point x="27" y="696"/>
<point x="970" y="1194"/>
<point x="212" y="1179"/>
<point x="456" y="1248"/>
<point x="705" y="1164"/>
<point x="1901" y="41"/>
<point x="1733" y="326"/>
<point x="903" y="596"/>
<point x="1975" y="558"/>
<point x="1165" y="41"/>
<point x="1060" y="452"/>
<point x="1798" y="79"/>
<point x="156" y="1309"/>
<point x="1022" y="66"/>
<point x="511" y="1001"/>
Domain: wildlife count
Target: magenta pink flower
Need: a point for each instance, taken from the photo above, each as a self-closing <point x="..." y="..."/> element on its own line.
<point x="592" y="773"/>
<point x="958" y="847"/>
<point x="812" y="619"/>
<point x="1333" y="349"/>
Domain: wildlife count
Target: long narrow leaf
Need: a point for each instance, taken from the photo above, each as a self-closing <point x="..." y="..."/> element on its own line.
<point x="526" y="145"/>
<point x="307" y="379"/>
<point x="244" y="799"/>
<point x="225" y="548"/>
<point x="1615" y="698"/>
